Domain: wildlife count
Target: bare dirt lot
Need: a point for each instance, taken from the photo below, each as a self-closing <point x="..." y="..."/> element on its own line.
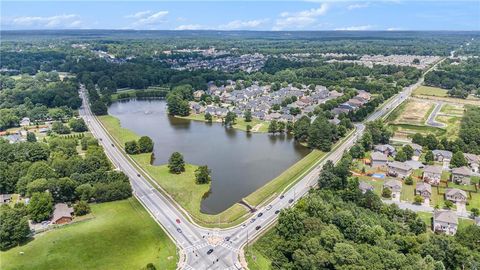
<point x="415" y="112"/>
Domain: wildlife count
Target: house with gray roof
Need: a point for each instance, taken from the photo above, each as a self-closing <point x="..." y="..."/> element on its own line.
<point x="445" y="221"/>
<point x="424" y="189"/>
<point x="473" y="161"/>
<point x="378" y="159"/>
<point x="417" y="150"/>
<point x="399" y="169"/>
<point x="395" y="187"/>
<point x="387" y="149"/>
<point x="456" y="195"/>
<point x="62" y="214"/>
<point x="432" y="174"/>
<point x="461" y="175"/>
<point x="442" y="155"/>
<point x="364" y="187"/>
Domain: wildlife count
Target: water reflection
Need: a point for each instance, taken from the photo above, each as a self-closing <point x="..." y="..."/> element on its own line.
<point x="240" y="162"/>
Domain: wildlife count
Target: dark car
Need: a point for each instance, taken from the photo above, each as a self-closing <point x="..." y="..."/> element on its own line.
<point x="227" y="238"/>
<point x="258" y="227"/>
<point x="113" y="145"/>
<point x="210" y="251"/>
<point x="276" y="212"/>
<point x="178" y="221"/>
<point x="281" y="196"/>
<point x="179" y="230"/>
<point x="138" y="174"/>
<point x="260" y="214"/>
<point x="290" y="201"/>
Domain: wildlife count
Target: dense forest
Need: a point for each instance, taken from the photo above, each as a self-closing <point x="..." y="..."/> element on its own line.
<point x="338" y="227"/>
<point x="461" y="78"/>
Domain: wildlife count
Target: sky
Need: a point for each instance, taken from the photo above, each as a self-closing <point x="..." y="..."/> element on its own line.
<point x="246" y="15"/>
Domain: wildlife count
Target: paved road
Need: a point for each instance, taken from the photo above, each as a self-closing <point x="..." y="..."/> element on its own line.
<point x="431" y="118"/>
<point x="194" y="241"/>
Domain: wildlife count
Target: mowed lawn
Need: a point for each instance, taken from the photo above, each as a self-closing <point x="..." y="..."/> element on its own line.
<point x="430" y="91"/>
<point x="186" y="192"/>
<point x="240" y="124"/>
<point x="122" y="235"/>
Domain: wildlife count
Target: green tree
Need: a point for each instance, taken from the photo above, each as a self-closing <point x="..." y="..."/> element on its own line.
<point x="176" y="164"/>
<point x="367" y="141"/>
<point x="230" y="119"/>
<point x="320" y="134"/>
<point x="408" y="150"/>
<point x="248" y="116"/>
<point x="281" y="127"/>
<point x="145" y="144"/>
<point x="249" y="128"/>
<point x="177" y="105"/>
<point x="272" y="127"/>
<point x="431" y="142"/>
<point x="401" y="156"/>
<point x="300" y="129"/>
<point x="38" y="185"/>
<point x="409" y="180"/>
<point x="99" y="108"/>
<point x="208" y="117"/>
<point x="429" y="158"/>
<point x="81" y="208"/>
<point x="60" y="128"/>
<point x="78" y="125"/>
<point x="357" y="151"/>
<point x="448" y="204"/>
<point x="418" y="199"/>
<point x="386" y="193"/>
<point x="458" y="160"/>
<point x="85" y="192"/>
<point x="14" y="228"/>
<point x="31" y="137"/>
<point x="40" y="207"/>
<point x="202" y="175"/>
<point x="131" y="147"/>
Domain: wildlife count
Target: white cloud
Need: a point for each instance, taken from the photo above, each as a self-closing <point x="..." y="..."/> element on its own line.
<point x="188" y="27"/>
<point x="355" y="28"/>
<point x="238" y="24"/>
<point x="394" y="29"/>
<point x="357" y="5"/>
<point x="57" y="21"/>
<point x="139" y="14"/>
<point x="298" y="20"/>
<point x="147" y="18"/>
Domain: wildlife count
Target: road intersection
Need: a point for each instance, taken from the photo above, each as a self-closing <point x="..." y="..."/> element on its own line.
<point x="194" y="241"/>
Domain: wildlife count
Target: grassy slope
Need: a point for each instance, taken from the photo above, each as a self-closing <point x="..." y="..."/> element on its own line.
<point x="430" y="91"/>
<point x="239" y="123"/>
<point x="121" y="236"/>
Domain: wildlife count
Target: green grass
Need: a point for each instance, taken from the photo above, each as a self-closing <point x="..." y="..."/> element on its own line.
<point x="188" y="194"/>
<point x="240" y="123"/>
<point x="452" y="125"/>
<point x="474" y="201"/>
<point x="256" y="260"/>
<point x="122" y="135"/>
<point x="291" y="175"/>
<point x="408" y="192"/>
<point x="122" y="235"/>
<point x="430" y="91"/>
<point x="452" y="109"/>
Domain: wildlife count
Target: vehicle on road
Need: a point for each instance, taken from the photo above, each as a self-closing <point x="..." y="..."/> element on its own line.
<point x="244" y="225"/>
<point x="210" y="251"/>
<point x="258" y="227"/>
<point x="113" y="145"/>
<point x="260" y="214"/>
<point x="177" y="220"/>
<point x="138" y="174"/>
<point x="227" y="238"/>
<point x="252" y="220"/>
<point x="269" y="207"/>
<point x="179" y="230"/>
<point x="276" y="212"/>
<point x="290" y="201"/>
<point x="282" y="196"/>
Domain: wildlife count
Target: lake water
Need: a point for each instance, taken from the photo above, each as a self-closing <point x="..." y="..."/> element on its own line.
<point x="240" y="162"/>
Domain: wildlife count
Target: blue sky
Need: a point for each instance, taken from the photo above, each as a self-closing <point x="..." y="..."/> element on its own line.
<point x="247" y="15"/>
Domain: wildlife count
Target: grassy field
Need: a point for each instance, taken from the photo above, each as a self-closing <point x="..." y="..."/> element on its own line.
<point x="452" y="109"/>
<point x="291" y="175"/>
<point x="188" y="194"/>
<point x="240" y="124"/>
<point x="256" y="260"/>
<point x="121" y="236"/>
<point x="452" y="125"/>
<point x="113" y="127"/>
<point x="430" y="91"/>
<point x="131" y="92"/>
<point x="413" y="112"/>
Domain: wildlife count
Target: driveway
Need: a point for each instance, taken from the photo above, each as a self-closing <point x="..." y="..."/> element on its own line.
<point x="461" y="207"/>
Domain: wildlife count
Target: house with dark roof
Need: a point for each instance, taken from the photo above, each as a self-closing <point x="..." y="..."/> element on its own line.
<point x="387" y="149"/>
<point x="364" y="187"/>
<point x="399" y="169"/>
<point x="395" y="187"/>
<point x="442" y="155"/>
<point x="378" y="159"/>
<point x="432" y="174"/>
<point x="445" y="221"/>
<point x="473" y="161"/>
<point x="461" y="175"/>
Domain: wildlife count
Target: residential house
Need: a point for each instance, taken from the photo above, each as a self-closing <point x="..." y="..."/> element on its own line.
<point x="432" y="174"/>
<point x="198" y="94"/>
<point x="364" y="94"/>
<point x="25" y="122"/>
<point x="456" y="195"/>
<point x="473" y="161"/>
<point x="424" y="190"/>
<point x="387" y="149"/>
<point x="417" y="151"/>
<point x="395" y="187"/>
<point x="445" y="221"/>
<point x="5" y="198"/>
<point x="378" y="159"/>
<point x="62" y="214"/>
<point x="14" y="138"/>
<point x="461" y="175"/>
<point x="364" y="187"/>
<point x="399" y="169"/>
<point x="442" y="155"/>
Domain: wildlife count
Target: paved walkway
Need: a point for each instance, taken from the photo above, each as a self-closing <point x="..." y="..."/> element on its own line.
<point x="431" y="118"/>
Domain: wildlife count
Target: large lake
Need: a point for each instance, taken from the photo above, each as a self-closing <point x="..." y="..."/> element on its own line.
<point x="240" y="162"/>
